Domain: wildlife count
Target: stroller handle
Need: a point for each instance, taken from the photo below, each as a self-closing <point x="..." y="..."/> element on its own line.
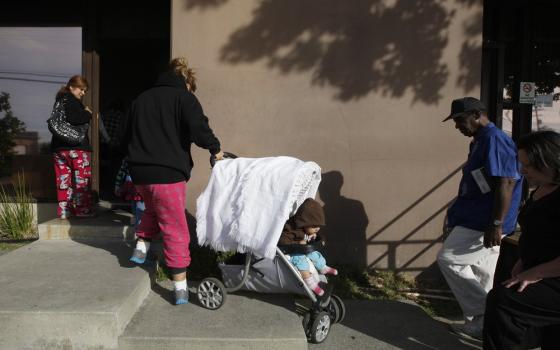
<point x="227" y="155"/>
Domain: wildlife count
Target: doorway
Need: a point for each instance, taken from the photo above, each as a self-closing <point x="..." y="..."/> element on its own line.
<point x="134" y="46"/>
<point x="124" y="46"/>
<point x="521" y="58"/>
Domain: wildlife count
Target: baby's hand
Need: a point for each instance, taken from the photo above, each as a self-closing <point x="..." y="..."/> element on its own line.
<point x="303" y="241"/>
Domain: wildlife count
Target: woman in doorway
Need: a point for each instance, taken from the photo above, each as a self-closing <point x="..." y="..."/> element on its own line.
<point x="531" y="297"/>
<point x="72" y="163"/>
<point x="161" y="125"/>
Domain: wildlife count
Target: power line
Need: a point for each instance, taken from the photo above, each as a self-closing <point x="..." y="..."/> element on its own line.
<point x="35" y="80"/>
<point x="36" y="73"/>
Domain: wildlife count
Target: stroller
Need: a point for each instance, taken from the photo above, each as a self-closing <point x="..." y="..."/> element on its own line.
<point x="264" y="273"/>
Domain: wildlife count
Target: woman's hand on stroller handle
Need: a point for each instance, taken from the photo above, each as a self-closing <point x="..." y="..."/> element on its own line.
<point x="219" y="155"/>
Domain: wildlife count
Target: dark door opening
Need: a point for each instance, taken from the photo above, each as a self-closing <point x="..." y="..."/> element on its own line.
<point x="134" y="47"/>
<point x="521" y="48"/>
<point x="125" y="45"/>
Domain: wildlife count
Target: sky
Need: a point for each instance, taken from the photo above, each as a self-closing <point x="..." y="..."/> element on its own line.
<point x="34" y="64"/>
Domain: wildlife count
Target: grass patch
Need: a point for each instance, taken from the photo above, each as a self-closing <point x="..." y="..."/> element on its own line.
<point x="16" y="212"/>
<point x="10" y="246"/>
<point x="362" y="284"/>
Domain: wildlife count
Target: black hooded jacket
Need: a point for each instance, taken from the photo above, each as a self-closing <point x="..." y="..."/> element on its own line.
<point x="157" y="133"/>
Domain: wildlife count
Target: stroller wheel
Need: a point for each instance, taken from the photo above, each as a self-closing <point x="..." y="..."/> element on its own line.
<point x="211" y="293"/>
<point x="305" y="322"/>
<point x="320" y="327"/>
<point x="336" y="309"/>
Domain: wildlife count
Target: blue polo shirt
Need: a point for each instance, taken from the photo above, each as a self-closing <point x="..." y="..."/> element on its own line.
<point x="493" y="154"/>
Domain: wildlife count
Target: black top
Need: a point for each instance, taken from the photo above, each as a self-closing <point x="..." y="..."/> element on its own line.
<point x="540" y="230"/>
<point x="76" y="114"/>
<point x="159" y="129"/>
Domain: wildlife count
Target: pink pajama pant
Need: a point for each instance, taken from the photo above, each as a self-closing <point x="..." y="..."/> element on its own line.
<point x="73" y="182"/>
<point x="165" y="213"/>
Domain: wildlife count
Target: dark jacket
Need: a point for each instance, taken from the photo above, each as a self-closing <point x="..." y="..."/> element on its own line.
<point x="76" y="114"/>
<point x="309" y="214"/>
<point x="158" y="131"/>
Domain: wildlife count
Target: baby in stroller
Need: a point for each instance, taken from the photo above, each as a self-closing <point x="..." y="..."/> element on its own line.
<point x="302" y="229"/>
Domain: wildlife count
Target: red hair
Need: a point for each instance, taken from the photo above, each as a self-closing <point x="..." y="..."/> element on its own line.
<point x="77" y="81"/>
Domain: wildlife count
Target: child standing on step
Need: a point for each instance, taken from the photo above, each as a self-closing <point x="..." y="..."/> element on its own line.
<point x="124" y="188"/>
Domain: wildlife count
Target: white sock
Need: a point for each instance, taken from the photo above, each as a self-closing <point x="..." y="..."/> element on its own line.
<point x="180" y="285"/>
<point x="143" y="246"/>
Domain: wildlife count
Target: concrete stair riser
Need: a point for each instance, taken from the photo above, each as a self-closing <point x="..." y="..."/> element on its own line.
<point x="51" y="230"/>
<point x="62" y="294"/>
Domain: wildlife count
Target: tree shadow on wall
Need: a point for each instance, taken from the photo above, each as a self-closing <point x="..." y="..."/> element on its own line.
<point x="346" y="223"/>
<point x="356" y="47"/>
<point x="469" y="57"/>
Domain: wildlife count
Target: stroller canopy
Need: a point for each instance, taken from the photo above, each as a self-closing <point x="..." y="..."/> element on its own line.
<point x="248" y="200"/>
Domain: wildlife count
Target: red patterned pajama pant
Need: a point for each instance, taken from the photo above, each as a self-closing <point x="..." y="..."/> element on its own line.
<point x="73" y="182"/>
<point x="165" y="213"/>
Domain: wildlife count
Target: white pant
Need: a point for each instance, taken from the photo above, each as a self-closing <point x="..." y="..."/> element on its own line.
<point x="468" y="268"/>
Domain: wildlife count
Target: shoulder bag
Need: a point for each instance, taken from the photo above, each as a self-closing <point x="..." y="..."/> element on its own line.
<point x="62" y="129"/>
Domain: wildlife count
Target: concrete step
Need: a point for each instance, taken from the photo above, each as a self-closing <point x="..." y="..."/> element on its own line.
<point x="247" y="321"/>
<point x="62" y="294"/>
<point x="109" y="224"/>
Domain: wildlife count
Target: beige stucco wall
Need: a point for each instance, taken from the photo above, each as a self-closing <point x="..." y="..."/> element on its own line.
<point x="360" y="87"/>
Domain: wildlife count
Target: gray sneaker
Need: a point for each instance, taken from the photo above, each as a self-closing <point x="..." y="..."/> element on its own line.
<point x="138" y="257"/>
<point x="471" y="329"/>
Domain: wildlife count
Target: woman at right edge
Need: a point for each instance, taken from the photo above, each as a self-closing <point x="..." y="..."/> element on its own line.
<point x="530" y="299"/>
<point x="157" y="135"/>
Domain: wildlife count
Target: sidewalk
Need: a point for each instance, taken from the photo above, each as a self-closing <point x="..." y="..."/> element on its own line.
<point x="262" y="321"/>
<point x="60" y="291"/>
<point x="79" y="291"/>
<point x="391" y="325"/>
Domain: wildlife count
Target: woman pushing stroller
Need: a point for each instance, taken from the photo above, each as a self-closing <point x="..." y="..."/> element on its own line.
<point x="162" y="124"/>
<point x="302" y="228"/>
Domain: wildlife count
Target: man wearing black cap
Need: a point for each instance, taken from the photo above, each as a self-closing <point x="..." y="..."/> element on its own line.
<point x="485" y="210"/>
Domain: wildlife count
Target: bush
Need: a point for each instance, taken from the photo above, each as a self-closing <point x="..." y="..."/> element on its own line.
<point x="16" y="212"/>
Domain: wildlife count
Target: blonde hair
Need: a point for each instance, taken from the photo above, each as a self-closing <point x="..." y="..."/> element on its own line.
<point x="181" y="67"/>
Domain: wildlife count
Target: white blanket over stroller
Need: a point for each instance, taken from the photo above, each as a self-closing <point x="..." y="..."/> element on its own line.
<point x="248" y="200"/>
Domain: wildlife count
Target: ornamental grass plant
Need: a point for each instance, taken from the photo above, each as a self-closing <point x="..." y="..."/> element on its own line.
<point x="16" y="211"/>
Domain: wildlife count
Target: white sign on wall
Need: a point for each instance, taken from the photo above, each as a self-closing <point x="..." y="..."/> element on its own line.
<point x="527" y="92"/>
<point x="544" y="100"/>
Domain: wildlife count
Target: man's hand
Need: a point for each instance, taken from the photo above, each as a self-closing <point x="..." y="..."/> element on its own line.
<point x="492" y="236"/>
<point x="88" y="109"/>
